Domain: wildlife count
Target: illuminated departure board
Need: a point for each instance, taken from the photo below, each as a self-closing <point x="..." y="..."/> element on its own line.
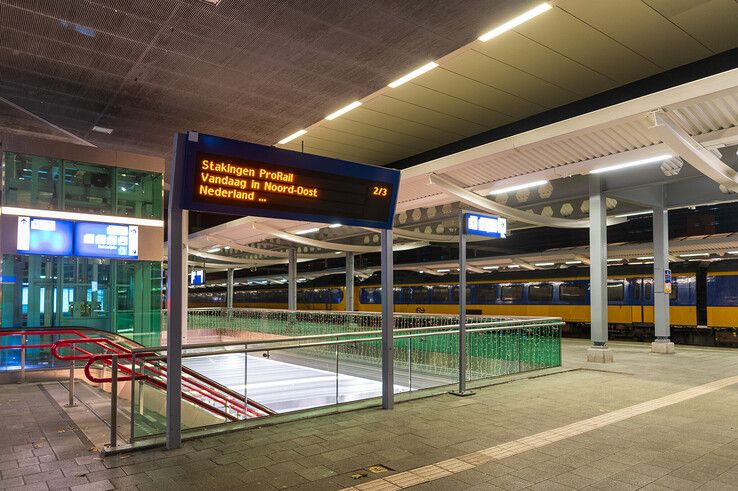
<point x="226" y="176"/>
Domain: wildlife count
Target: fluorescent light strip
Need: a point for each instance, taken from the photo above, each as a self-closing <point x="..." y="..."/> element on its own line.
<point x="103" y="130"/>
<point x="733" y="253"/>
<point x="81" y="217"/>
<point x="695" y="254"/>
<point x="644" y="258"/>
<point x="443" y="270"/>
<point x="543" y="264"/>
<point x="306" y="231"/>
<point x="513" y="23"/>
<point x="573" y="262"/>
<point x="415" y="73"/>
<point x="614" y="260"/>
<point x="634" y="214"/>
<point x="334" y="225"/>
<point x="214" y="249"/>
<point x="343" y="110"/>
<point x="635" y="263"/>
<point x="294" y="135"/>
<point x="633" y="163"/>
<point x="490" y="267"/>
<point x="518" y="187"/>
<point x="513" y="266"/>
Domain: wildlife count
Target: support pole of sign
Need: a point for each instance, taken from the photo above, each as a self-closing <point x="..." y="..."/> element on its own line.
<point x="349" y="296"/>
<point x="177" y="254"/>
<point x="662" y="344"/>
<point x="388" y="321"/>
<point x="462" y="310"/>
<point x="229" y="291"/>
<point x="292" y="279"/>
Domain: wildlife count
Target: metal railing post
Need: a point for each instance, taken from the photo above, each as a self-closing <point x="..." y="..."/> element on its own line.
<point x="71" y="384"/>
<point x="246" y="380"/>
<point x="114" y="403"/>
<point x="336" y="374"/>
<point x="133" y="397"/>
<point x="23" y="359"/>
<point x="520" y="349"/>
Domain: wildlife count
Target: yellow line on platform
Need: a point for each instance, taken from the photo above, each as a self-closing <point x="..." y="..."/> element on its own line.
<point x="468" y="461"/>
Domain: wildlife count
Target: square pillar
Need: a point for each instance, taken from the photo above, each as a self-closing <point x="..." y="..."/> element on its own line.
<point x="388" y="321"/>
<point x="292" y="279"/>
<point x="229" y="290"/>
<point x="349" y="296"/>
<point x="598" y="352"/>
<point x="662" y="324"/>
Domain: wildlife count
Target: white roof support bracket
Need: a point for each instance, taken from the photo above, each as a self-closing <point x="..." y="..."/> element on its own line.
<point x="330" y="245"/>
<point x="483" y="203"/>
<point x="684" y="145"/>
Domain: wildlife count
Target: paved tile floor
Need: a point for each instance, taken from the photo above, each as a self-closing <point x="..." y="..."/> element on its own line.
<point x="686" y="444"/>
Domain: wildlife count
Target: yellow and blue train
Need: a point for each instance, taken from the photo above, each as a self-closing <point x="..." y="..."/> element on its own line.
<point x="703" y="300"/>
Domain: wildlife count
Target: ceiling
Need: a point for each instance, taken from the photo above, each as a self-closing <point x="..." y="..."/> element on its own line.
<point x="242" y="69"/>
<point x="258" y="71"/>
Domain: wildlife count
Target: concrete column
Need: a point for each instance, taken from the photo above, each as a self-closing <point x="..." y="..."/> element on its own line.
<point x="349" y="296"/>
<point x="662" y="325"/>
<point x="388" y="321"/>
<point x="598" y="352"/>
<point x="292" y="280"/>
<point x="229" y="290"/>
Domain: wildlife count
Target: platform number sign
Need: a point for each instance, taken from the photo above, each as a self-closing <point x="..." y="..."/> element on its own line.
<point x="667" y="281"/>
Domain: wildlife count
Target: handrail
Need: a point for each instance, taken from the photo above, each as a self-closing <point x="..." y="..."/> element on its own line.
<point x="513" y="322"/>
<point x="193" y="382"/>
<point x="328" y="343"/>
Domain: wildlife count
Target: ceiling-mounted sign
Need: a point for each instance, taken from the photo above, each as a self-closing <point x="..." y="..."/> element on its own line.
<point x="44" y="236"/>
<point x="485" y="225"/>
<point x="105" y="240"/>
<point x="246" y="179"/>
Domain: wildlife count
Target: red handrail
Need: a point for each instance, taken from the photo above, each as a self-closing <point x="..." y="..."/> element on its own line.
<point x="193" y="382"/>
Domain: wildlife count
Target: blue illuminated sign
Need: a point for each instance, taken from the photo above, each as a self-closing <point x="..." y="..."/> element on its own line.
<point x="105" y="240"/>
<point x="220" y="175"/>
<point x="197" y="277"/>
<point x="44" y="236"/>
<point x="485" y="225"/>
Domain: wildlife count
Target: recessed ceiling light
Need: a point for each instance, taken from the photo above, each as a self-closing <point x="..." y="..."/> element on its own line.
<point x="632" y="163"/>
<point x="294" y="135"/>
<point x="634" y="214"/>
<point x="343" y="110"/>
<point x="102" y="129"/>
<point x="518" y="187"/>
<point x="513" y="23"/>
<point x="306" y="231"/>
<point x="415" y="73"/>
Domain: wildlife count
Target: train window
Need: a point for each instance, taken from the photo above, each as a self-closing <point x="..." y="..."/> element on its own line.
<point x="648" y="288"/>
<point x="674" y="288"/>
<point x="511" y="293"/>
<point x="637" y="290"/>
<point x="540" y="293"/>
<point x="571" y="292"/>
<point x="455" y="294"/>
<point x="370" y="295"/>
<point x="615" y="292"/>
<point x="419" y="294"/>
<point x="397" y="295"/>
<point x="486" y="294"/>
<point x="440" y="294"/>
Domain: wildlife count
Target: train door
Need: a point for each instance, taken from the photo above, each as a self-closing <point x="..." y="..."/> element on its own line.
<point x="647" y="303"/>
<point x="701" y="295"/>
<point x="636" y="298"/>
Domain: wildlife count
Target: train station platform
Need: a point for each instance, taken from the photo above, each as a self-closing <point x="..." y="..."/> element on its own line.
<point x="646" y="421"/>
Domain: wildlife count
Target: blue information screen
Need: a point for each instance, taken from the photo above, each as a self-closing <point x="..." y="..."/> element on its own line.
<point x="485" y="225"/>
<point x="44" y="236"/>
<point x="105" y="240"/>
<point x="197" y="277"/>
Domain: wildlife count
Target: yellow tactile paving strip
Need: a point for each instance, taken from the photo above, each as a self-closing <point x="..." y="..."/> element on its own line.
<point x="469" y="461"/>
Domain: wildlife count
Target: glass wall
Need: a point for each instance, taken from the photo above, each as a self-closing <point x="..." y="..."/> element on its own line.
<point x="115" y="295"/>
<point x="54" y="184"/>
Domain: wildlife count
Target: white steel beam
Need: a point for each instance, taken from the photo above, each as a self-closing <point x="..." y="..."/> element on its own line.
<point x="692" y="151"/>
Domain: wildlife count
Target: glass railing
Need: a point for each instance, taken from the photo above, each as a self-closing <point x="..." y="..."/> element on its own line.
<point x="296" y="361"/>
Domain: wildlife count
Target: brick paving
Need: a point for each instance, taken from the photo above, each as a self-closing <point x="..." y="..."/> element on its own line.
<point x="691" y="443"/>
